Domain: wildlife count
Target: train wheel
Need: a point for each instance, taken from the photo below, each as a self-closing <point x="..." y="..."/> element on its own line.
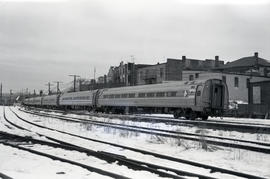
<point x="204" y="117"/>
<point x="191" y="116"/>
<point x="175" y="115"/>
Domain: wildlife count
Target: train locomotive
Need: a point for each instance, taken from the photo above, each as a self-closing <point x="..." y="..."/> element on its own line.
<point x="189" y="99"/>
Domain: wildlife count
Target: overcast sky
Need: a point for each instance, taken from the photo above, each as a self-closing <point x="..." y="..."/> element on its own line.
<point x="46" y="41"/>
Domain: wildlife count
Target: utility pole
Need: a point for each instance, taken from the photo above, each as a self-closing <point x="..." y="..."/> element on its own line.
<point x="95" y="74"/>
<point x="49" y="87"/>
<point x="74" y="76"/>
<point x="1" y="94"/>
<point x="10" y="94"/>
<point x="57" y="87"/>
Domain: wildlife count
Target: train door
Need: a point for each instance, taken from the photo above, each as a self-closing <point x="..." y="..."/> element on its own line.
<point x="217" y="96"/>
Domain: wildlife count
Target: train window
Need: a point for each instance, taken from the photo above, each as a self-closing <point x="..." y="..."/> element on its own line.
<point x="111" y="96"/>
<point x="198" y="93"/>
<point x="124" y="95"/>
<point x="149" y="95"/>
<point x="117" y="96"/>
<point x="160" y="94"/>
<point x="105" y="96"/>
<point x="141" y="95"/>
<point x="171" y="94"/>
<point x="131" y="95"/>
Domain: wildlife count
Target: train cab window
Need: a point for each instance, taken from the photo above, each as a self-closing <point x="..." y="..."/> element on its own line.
<point x="248" y="82"/>
<point x="141" y="95"/>
<point x="131" y="95"/>
<point x="196" y="75"/>
<point x="149" y="95"/>
<point x="191" y="77"/>
<point x="236" y="82"/>
<point x="198" y="93"/>
<point x="160" y="94"/>
<point x="224" y="79"/>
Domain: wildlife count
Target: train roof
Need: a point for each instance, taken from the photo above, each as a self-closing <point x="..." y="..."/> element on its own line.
<point x="157" y="87"/>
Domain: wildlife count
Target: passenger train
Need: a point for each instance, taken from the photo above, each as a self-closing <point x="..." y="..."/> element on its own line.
<point x="189" y="99"/>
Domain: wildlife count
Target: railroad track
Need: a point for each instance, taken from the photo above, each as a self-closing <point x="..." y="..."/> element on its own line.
<point x="20" y="142"/>
<point x="215" y="124"/>
<point x="4" y="176"/>
<point x="109" y="157"/>
<point x="212" y="169"/>
<point x="237" y="143"/>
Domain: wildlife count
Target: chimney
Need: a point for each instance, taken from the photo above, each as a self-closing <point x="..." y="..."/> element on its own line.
<point x="256" y="55"/>
<point x="184" y="61"/>
<point x="216" y="61"/>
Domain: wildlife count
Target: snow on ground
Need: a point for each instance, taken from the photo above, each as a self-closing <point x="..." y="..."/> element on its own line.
<point x="24" y="165"/>
<point x="24" y="169"/>
<point x="234" y="159"/>
<point x="181" y="128"/>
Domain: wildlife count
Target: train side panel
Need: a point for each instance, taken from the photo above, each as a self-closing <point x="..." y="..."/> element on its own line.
<point x="82" y="98"/>
<point x="51" y="100"/>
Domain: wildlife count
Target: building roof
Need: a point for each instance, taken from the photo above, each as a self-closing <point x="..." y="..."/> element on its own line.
<point x="250" y="61"/>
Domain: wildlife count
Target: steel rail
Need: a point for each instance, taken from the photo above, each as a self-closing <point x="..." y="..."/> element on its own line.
<point x="212" y="168"/>
<point x="151" y="132"/>
<point x="110" y="157"/>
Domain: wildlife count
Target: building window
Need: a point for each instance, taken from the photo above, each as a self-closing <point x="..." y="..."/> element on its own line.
<point x="196" y="75"/>
<point x="236" y="82"/>
<point x="224" y="79"/>
<point x="191" y="77"/>
<point x="161" y="73"/>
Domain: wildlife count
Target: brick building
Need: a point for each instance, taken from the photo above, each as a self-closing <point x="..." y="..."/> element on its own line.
<point x="123" y="75"/>
<point x="172" y="70"/>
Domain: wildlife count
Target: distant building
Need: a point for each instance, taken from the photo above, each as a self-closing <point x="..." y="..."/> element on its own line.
<point x="238" y="84"/>
<point x="123" y="75"/>
<point x="238" y="75"/>
<point x="251" y="65"/>
<point x="172" y="69"/>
